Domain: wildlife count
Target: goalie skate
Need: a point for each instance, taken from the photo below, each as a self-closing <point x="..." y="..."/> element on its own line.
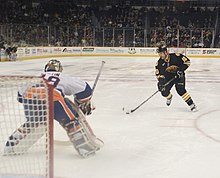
<point x="23" y="138"/>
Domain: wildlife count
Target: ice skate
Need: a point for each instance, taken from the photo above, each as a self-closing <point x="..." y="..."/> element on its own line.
<point x="193" y="107"/>
<point x="169" y="99"/>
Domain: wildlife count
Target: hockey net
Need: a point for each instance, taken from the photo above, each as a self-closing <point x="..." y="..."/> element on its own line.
<point x="31" y="155"/>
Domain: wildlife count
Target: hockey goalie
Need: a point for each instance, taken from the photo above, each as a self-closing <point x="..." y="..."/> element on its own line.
<point x="70" y="115"/>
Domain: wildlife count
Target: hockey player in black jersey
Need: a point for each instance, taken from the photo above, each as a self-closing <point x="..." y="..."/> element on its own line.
<point x="169" y="66"/>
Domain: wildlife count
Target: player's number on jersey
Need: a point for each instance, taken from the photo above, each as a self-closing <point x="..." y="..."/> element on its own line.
<point x="184" y="59"/>
<point x="53" y="80"/>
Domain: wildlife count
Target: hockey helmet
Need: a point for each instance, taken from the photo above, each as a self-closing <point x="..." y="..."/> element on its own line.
<point x="53" y="65"/>
<point x="161" y="49"/>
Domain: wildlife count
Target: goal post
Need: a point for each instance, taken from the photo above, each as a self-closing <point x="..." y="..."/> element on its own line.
<point x="26" y="127"/>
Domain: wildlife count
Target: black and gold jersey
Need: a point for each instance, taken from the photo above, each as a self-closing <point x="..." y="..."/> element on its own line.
<point x="179" y="60"/>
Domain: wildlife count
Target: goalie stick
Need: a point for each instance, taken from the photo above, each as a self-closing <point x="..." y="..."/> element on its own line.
<point x="93" y="142"/>
<point x="132" y="110"/>
<point x="97" y="77"/>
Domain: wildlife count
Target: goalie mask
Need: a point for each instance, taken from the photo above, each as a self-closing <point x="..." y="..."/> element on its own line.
<point x="53" y="65"/>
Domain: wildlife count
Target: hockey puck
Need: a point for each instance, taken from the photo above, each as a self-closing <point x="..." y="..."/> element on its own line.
<point x="127" y="113"/>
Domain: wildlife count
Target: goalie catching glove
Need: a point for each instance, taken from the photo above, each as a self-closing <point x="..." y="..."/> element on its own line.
<point x="87" y="108"/>
<point x="172" y="69"/>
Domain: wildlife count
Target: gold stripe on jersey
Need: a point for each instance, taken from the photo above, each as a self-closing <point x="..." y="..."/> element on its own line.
<point x="167" y="59"/>
<point x="157" y="72"/>
<point x="186" y="61"/>
<point x="159" y="76"/>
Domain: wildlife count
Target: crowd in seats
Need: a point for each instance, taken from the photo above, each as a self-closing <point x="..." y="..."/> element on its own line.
<point x="191" y="28"/>
<point x="122" y="16"/>
<point x="66" y="24"/>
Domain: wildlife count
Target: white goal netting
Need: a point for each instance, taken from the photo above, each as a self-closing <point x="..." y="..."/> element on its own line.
<point x="26" y="127"/>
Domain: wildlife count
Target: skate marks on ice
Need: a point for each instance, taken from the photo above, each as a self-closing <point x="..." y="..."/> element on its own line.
<point x="155" y="141"/>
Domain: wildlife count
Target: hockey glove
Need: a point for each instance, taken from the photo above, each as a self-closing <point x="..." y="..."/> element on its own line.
<point x="172" y="69"/>
<point x="161" y="87"/>
<point x="160" y="84"/>
<point x="179" y="74"/>
<point x="86" y="108"/>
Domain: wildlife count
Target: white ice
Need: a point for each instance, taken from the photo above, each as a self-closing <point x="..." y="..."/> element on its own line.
<point x="155" y="141"/>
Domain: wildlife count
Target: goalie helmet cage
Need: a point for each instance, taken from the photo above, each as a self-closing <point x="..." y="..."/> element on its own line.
<point x="37" y="159"/>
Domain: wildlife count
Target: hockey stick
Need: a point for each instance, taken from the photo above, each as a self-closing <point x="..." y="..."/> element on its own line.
<point x="96" y="81"/>
<point x="131" y="111"/>
<point x="97" y="77"/>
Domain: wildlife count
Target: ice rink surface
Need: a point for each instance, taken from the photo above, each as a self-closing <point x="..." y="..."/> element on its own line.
<point x="155" y="141"/>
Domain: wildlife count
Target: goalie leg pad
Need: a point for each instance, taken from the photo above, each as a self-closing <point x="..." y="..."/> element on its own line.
<point x="82" y="142"/>
<point x="23" y="138"/>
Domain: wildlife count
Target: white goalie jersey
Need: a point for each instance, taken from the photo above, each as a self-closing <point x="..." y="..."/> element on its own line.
<point x="69" y="85"/>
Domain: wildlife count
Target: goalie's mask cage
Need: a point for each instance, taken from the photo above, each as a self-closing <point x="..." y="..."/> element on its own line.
<point x="26" y="127"/>
<point x="53" y="65"/>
